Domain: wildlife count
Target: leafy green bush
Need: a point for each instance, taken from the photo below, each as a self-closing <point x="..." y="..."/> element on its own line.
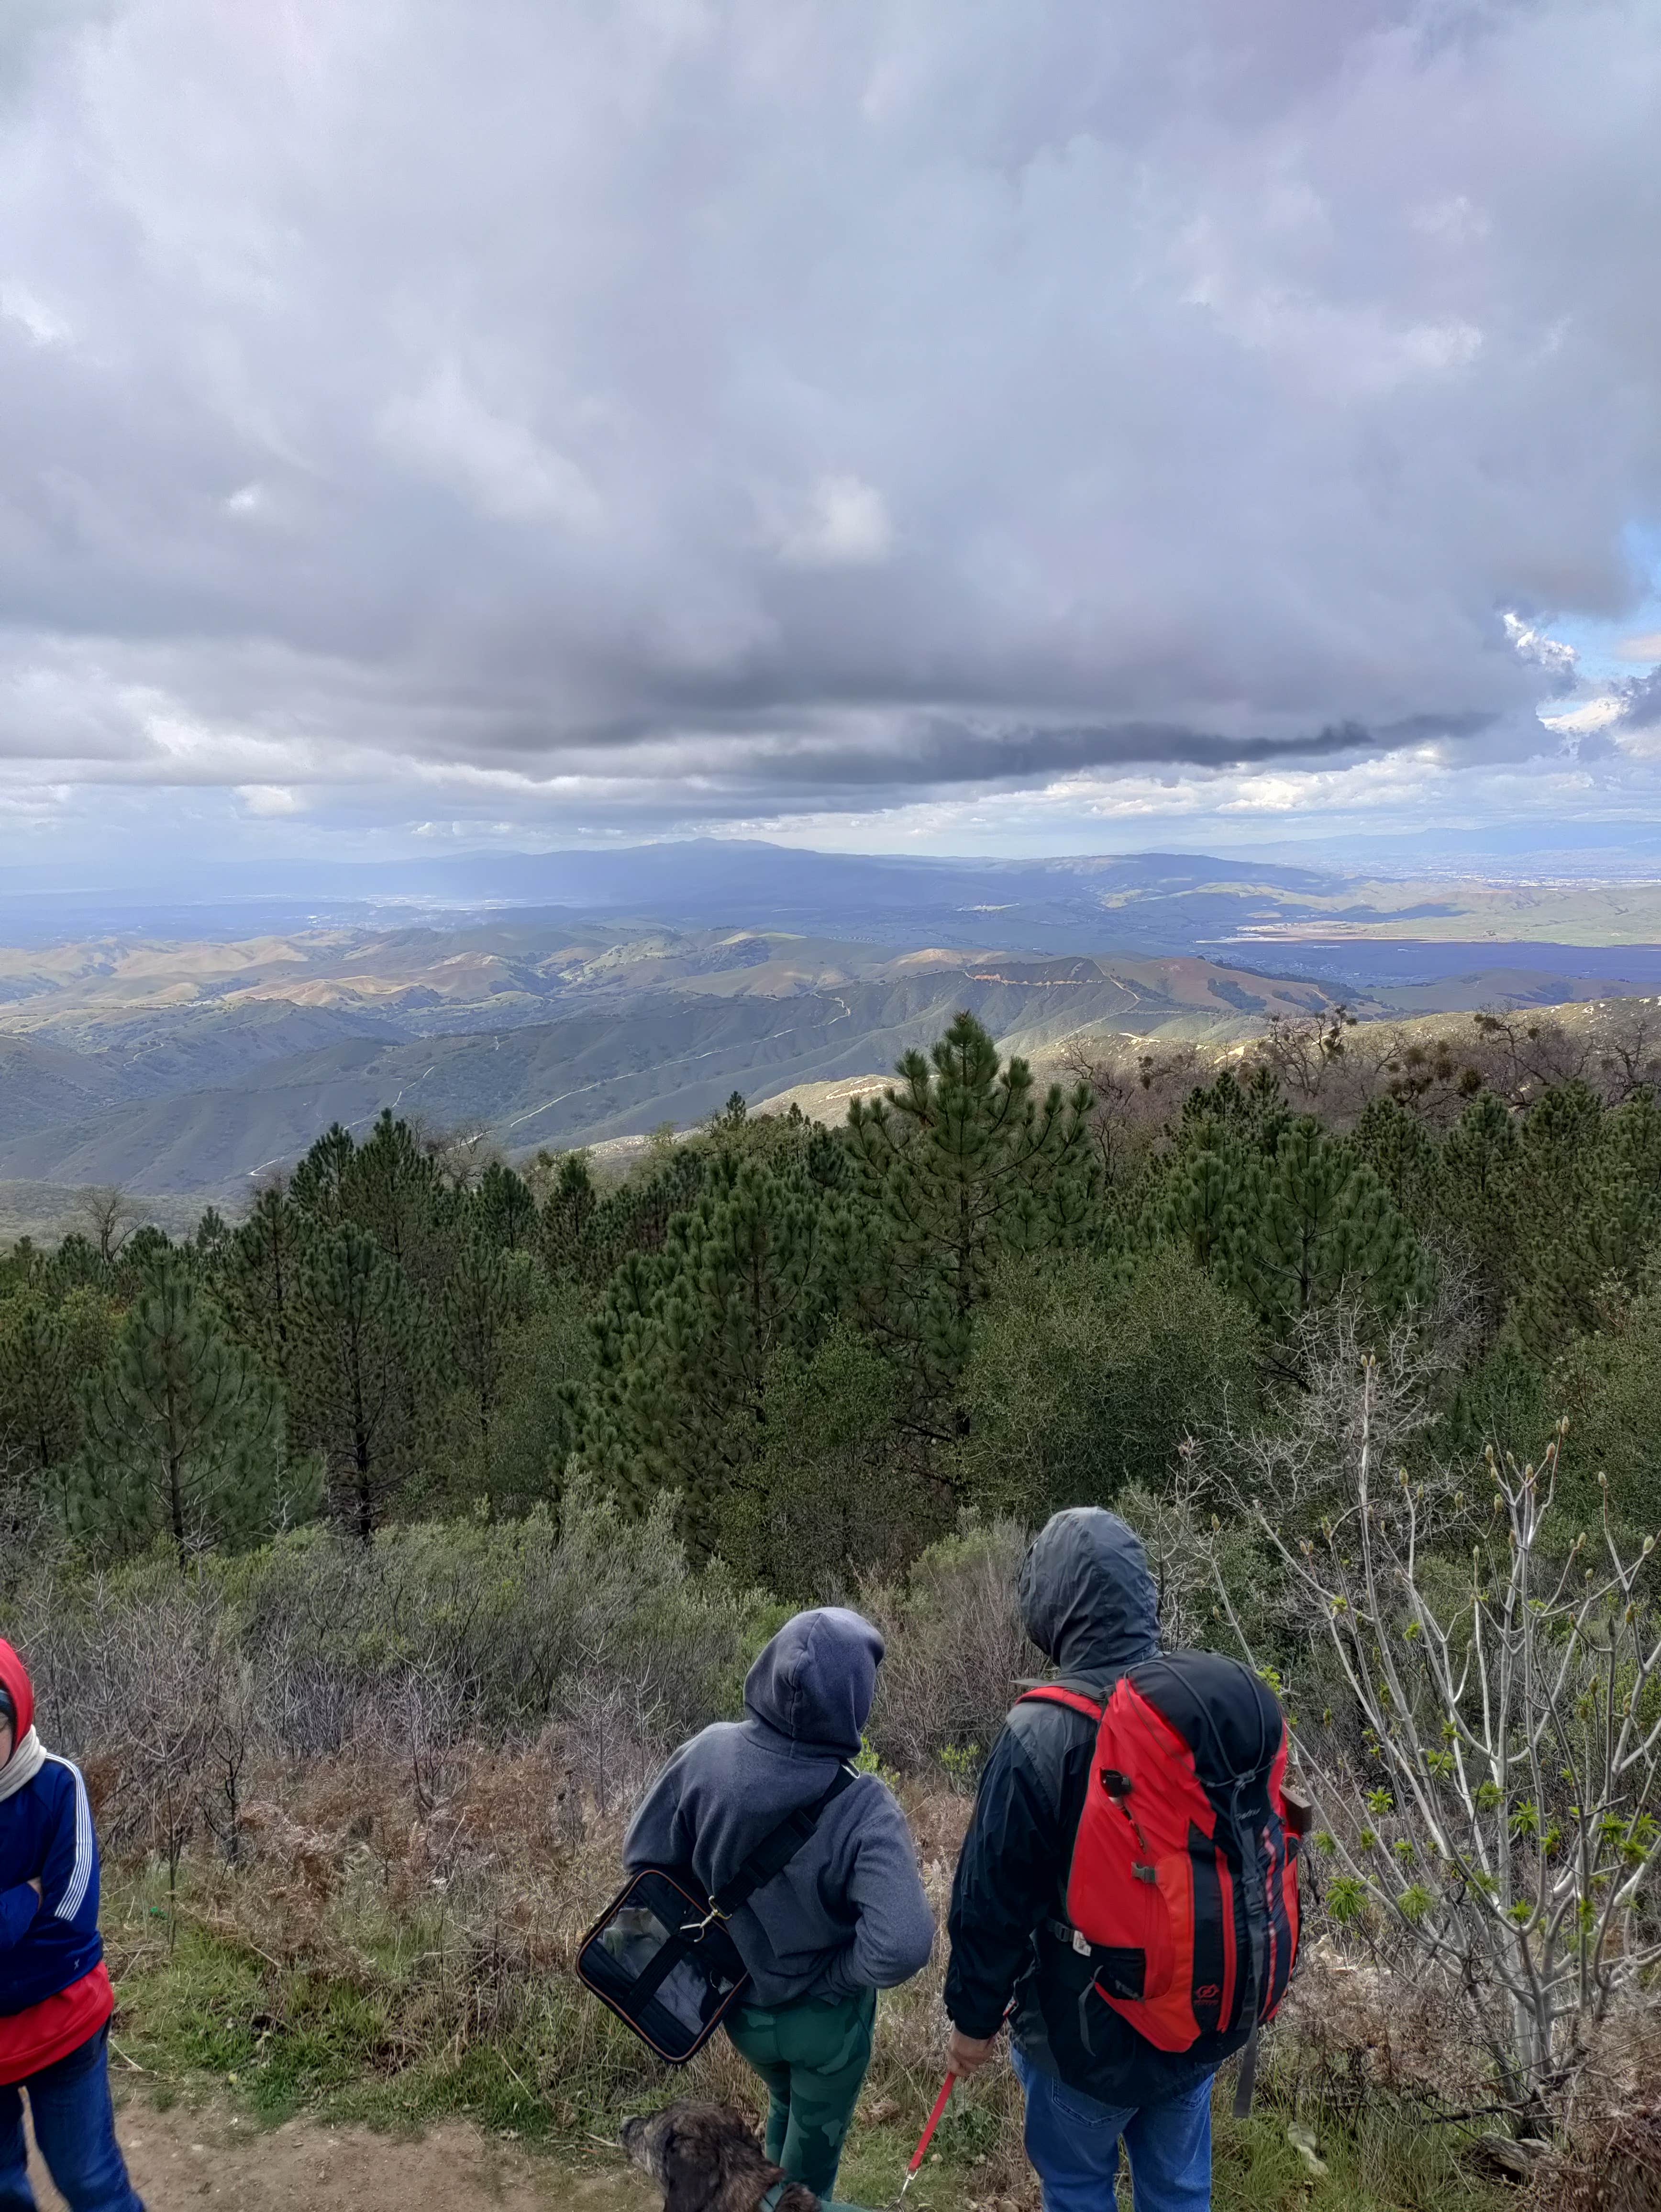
<point x="1087" y="1371"/>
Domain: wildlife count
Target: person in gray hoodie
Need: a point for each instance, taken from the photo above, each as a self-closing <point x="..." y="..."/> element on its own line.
<point x="846" y="1917"/>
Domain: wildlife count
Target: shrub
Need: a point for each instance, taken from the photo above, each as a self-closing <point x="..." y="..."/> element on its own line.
<point x="1087" y="1372"/>
<point x="956" y="1649"/>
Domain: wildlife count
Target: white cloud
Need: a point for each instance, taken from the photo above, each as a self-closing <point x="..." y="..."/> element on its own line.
<point x="1596" y="714"/>
<point x="1548" y="652"/>
<point x="269" y="799"/>
<point x="42" y="328"/>
<point x="385" y="393"/>
<point x="500" y="463"/>
<point x="843" y="523"/>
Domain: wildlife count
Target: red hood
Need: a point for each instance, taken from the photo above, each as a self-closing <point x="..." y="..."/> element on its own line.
<point x="16" y="1676"/>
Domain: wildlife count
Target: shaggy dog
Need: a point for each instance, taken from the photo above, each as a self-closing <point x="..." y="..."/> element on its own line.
<point x="705" y="2158"/>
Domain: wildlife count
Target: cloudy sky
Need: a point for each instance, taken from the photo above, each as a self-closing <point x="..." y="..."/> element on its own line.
<point x="946" y="424"/>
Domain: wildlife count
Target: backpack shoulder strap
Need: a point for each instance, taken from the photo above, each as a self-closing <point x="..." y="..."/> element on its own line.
<point x="1053" y="1693"/>
<point x="777" y="1848"/>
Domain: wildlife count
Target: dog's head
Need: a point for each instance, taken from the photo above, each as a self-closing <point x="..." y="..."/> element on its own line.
<point x="705" y="2158"/>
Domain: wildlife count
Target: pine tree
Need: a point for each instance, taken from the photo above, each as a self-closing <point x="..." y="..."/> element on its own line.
<point x="183" y="1433"/>
<point x="1292" y="1231"/>
<point x="1583" y="1200"/>
<point x="1398" y="1148"/>
<point x="1202" y="1198"/>
<point x="959" y="1163"/>
<point x="47" y="1348"/>
<point x="259" y="1277"/>
<point x="393" y="1189"/>
<point x="567" y="1216"/>
<point x="1227" y="1113"/>
<point x="506" y="1205"/>
<point x="687" y="1337"/>
<point x="317" y="1187"/>
<point x="362" y="1366"/>
<point x="1476" y="1191"/>
<point x="487" y="1297"/>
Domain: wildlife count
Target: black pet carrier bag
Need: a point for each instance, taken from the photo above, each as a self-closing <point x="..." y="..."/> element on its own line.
<point x="660" y="1955"/>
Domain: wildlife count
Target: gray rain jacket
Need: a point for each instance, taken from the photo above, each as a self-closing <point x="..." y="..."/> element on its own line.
<point x="849" y="1911"/>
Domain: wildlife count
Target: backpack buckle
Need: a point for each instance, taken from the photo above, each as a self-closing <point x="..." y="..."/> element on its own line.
<point x="696" y="1928"/>
<point x="1081" y="1943"/>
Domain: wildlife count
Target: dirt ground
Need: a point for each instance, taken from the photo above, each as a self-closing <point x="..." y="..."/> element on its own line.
<point x="184" y="2158"/>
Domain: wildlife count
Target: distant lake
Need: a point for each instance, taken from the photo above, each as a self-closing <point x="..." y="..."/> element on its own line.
<point x="1621" y="969"/>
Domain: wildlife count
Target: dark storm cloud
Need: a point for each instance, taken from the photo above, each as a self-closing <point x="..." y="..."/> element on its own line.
<point x="722" y="403"/>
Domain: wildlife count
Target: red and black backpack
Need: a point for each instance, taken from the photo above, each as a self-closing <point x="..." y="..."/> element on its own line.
<point x="1183" y="1887"/>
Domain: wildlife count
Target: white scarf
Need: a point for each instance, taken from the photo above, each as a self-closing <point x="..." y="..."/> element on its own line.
<point x="21" y="1769"/>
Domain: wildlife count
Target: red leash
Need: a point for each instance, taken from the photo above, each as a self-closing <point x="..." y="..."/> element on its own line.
<point x="921" y="2151"/>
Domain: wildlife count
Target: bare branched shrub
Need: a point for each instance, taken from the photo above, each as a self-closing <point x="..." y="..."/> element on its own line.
<point x="615" y="1737"/>
<point x="1136" y="1095"/>
<point x="106" y="1217"/>
<point x="956" y="1652"/>
<point x="141" y="1681"/>
<point x="511" y="1620"/>
<point x="1504" y="1822"/>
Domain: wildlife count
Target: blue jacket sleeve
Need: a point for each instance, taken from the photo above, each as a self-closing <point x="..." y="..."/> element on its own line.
<point x="18" y="1908"/>
<point x="70" y="1872"/>
<point x="1009" y="1876"/>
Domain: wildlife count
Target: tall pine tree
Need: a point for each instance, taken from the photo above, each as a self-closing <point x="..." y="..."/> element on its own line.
<point x="1313" y="1222"/>
<point x="487" y="1299"/>
<point x="687" y="1337"/>
<point x="184" y="1433"/>
<point x="959" y="1162"/>
<point x="363" y="1368"/>
<point x="257" y="1274"/>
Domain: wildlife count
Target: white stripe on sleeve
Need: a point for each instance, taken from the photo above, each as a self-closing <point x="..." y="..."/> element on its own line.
<point x="74" y="1896"/>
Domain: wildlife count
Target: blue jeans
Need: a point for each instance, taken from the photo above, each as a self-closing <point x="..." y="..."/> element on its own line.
<point x="1074" y="2144"/>
<point x="74" y="2128"/>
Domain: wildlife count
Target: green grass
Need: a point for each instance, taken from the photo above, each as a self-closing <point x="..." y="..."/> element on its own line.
<point x="211" y="2014"/>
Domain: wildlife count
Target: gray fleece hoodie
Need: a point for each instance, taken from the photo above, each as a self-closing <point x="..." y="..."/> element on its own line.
<point x="849" y="1911"/>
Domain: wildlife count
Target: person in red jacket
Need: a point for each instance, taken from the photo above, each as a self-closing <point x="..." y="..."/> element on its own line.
<point x="55" y="1996"/>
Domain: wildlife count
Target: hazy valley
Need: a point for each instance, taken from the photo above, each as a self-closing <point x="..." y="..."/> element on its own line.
<point x="187" y="1064"/>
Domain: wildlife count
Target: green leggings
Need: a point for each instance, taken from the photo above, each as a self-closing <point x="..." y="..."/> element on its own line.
<point x="812" y="2058"/>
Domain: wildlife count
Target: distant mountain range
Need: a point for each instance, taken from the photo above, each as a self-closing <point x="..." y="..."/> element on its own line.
<point x="590" y="996"/>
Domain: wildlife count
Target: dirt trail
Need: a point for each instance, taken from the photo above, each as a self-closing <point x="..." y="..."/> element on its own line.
<point x="184" y="2158"/>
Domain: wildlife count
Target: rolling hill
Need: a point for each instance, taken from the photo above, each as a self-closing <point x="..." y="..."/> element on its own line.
<point x="190" y="1064"/>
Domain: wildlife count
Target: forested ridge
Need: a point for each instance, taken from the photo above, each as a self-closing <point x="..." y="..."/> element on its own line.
<point x="827" y="1343"/>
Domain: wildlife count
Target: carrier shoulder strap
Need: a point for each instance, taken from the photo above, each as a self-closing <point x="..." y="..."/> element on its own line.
<point x="777" y="1848"/>
<point x="1053" y="1693"/>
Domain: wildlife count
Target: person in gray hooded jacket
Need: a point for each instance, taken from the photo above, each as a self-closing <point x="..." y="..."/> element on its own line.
<point x="846" y="1916"/>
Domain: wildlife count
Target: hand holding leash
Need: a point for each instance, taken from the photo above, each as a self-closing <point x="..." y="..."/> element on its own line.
<point x="927" y="2135"/>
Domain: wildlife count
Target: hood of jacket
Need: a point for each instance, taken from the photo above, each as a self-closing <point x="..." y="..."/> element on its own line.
<point x="814" y="1683"/>
<point x="1085" y="1594"/>
<point x="14" y="1676"/>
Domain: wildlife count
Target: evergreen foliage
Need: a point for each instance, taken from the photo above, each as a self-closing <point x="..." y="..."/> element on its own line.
<point x="183" y="1434"/>
<point x="687" y="1337"/>
<point x="363" y="1372"/>
<point x="824" y="1342"/>
<point x="959" y="1164"/>
<point x="1287" y="1216"/>
<point x="47" y="1348"/>
<point x="258" y="1276"/>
